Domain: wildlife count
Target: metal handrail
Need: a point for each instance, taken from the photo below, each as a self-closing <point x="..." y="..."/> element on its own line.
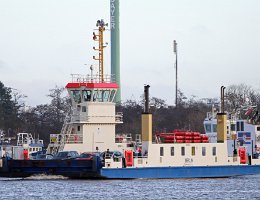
<point x="79" y="78"/>
<point x="76" y="117"/>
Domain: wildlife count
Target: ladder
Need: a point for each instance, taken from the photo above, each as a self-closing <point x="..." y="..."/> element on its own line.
<point x="60" y="143"/>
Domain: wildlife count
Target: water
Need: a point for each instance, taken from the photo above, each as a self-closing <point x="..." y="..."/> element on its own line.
<point x="55" y="187"/>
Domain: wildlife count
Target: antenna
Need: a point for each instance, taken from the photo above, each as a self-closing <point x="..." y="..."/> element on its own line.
<point x="91" y="73"/>
<point x="176" y="70"/>
<point x="99" y="37"/>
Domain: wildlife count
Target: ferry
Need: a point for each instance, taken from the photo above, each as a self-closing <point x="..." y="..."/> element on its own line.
<point x="91" y="128"/>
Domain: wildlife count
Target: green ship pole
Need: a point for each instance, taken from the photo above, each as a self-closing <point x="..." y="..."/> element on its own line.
<point x="115" y="45"/>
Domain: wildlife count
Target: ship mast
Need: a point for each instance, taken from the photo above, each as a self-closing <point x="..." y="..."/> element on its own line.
<point x="99" y="37"/>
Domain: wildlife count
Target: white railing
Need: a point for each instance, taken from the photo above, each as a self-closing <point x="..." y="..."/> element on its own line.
<point x="77" y="118"/>
<point x="83" y="118"/>
<point x="119" y="117"/>
<point x="79" y="78"/>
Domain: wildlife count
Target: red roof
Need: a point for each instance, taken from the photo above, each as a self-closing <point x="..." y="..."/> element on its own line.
<point x="92" y="85"/>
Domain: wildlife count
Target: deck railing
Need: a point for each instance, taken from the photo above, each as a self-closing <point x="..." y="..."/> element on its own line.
<point x="83" y="118"/>
<point x="79" y="78"/>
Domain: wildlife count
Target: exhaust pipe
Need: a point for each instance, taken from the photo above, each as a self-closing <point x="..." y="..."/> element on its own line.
<point x="146" y="99"/>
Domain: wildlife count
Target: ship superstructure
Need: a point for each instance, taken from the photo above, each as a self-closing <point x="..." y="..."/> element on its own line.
<point x="91" y="126"/>
<point x="240" y="132"/>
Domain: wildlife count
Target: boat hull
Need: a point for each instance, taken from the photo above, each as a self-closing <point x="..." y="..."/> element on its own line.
<point x="180" y="172"/>
<point x="71" y="168"/>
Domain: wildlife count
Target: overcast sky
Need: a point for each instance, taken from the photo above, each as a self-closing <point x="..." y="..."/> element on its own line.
<point x="43" y="41"/>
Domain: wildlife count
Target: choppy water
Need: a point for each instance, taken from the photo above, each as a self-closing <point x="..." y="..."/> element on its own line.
<point x="43" y="187"/>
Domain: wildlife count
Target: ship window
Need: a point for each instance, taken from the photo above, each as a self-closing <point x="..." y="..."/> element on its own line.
<point x="214" y="151"/>
<point x="233" y="127"/>
<point x="105" y="95"/>
<point x="228" y="130"/>
<point x="242" y="126"/>
<point x="203" y="151"/>
<point x="238" y="127"/>
<point x="161" y="151"/>
<point x="214" y="128"/>
<point x="84" y="109"/>
<point x="193" y="151"/>
<point x="86" y="95"/>
<point x="258" y="128"/>
<point x="78" y="128"/>
<point x="97" y="96"/>
<point x="76" y="96"/>
<point x="112" y="94"/>
<point x="208" y="128"/>
<point x="183" y="151"/>
<point x="172" y="151"/>
<point x="101" y="95"/>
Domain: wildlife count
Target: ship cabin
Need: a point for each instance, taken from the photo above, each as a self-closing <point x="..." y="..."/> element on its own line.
<point x="88" y="93"/>
<point x="91" y="126"/>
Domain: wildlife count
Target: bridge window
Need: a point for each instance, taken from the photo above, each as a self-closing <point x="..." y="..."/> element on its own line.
<point x="101" y="95"/>
<point x="76" y="96"/>
<point x="105" y="95"/>
<point x="112" y="95"/>
<point x="95" y="95"/>
<point x="86" y="95"/>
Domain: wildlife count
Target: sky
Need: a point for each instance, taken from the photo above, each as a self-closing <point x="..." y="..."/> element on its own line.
<point x="42" y="42"/>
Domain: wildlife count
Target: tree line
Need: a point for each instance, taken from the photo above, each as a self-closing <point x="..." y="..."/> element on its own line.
<point x="45" y="119"/>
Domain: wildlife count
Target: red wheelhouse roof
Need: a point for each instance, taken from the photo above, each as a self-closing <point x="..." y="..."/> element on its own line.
<point x="92" y="85"/>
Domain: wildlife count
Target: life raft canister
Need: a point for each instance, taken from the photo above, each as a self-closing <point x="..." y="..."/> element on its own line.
<point x="129" y="158"/>
<point x="242" y="155"/>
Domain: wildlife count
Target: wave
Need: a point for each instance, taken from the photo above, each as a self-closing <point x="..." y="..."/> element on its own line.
<point x="45" y="177"/>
